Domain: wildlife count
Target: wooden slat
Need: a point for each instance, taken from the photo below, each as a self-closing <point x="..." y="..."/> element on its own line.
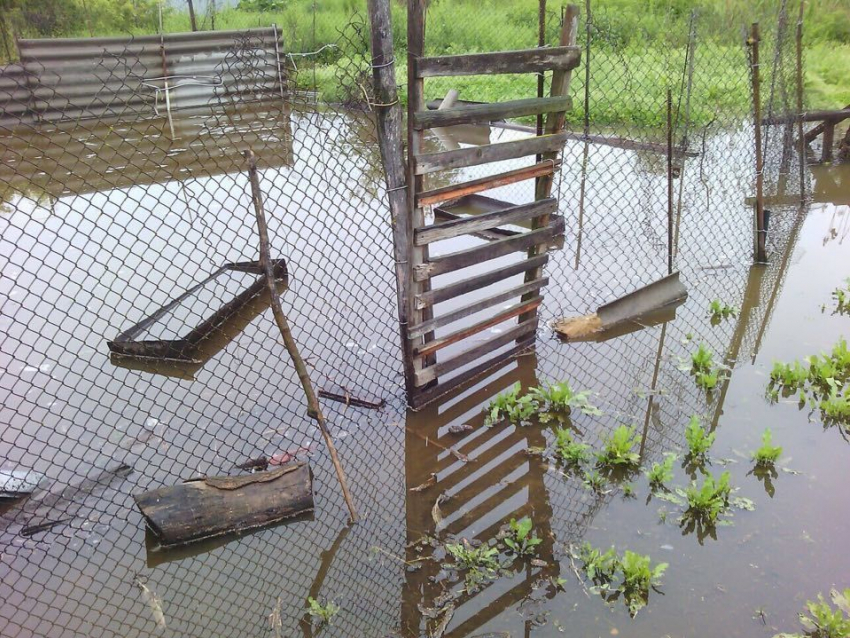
<point x="486" y="367"/>
<point x="471" y="284"/>
<point x="486" y="113"/>
<point x="493" y="250"/>
<point x="522" y="61"/>
<point x="485" y="221"/>
<point x="431" y="347"/>
<point x="426" y="375"/>
<point x="471" y="187"/>
<point x="476" y="155"/>
<point x="478" y="306"/>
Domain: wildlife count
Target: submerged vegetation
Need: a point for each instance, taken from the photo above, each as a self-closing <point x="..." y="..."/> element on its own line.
<point x="661" y="473"/>
<point x="699" y="441"/>
<point x="323" y="613"/>
<point x="568" y="449"/>
<point x="560" y="398"/>
<point x="705" y="371"/>
<point x="521" y="540"/>
<point x="720" y="311"/>
<point x="822" y="621"/>
<point x="618" y="449"/>
<point x="842" y="298"/>
<point x="556" y="401"/>
<point x="707" y="501"/>
<point x="768" y="453"/>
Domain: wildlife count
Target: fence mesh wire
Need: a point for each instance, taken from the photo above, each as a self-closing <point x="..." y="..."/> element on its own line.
<point x="116" y="201"/>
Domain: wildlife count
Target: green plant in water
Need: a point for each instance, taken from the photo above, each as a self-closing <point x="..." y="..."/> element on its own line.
<point x="569" y="450"/>
<point x="768" y="453"/>
<point x="709" y="500"/>
<point x="522" y="541"/>
<point x="561" y="398"/>
<point x="702" y="360"/>
<point x="322" y="613"/>
<point x="699" y="441"/>
<point x="823" y="621"/>
<point x="483" y="558"/>
<point x="593" y="480"/>
<point x="720" y="310"/>
<point x="707" y="380"/>
<point x="598" y="565"/>
<point x="638" y="576"/>
<point x="511" y="406"/>
<point x="842" y="298"/>
<point x="835" y="407"/>
<point x="660" y="473"/>
<point x="789" y="376"/>
<point x="618" y="448"/>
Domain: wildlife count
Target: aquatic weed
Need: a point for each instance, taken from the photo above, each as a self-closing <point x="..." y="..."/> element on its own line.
<point x="593" y="480"/>
<point x="600" y="567"/>
<point x="708" y="501"/>
<point x="660" y="473"/>
<point x="560" y="398"/>
<point x="842" y="298"/>
<point x="569" y="450"/>
<point x="699" y="441"/>
<point x="617" y="449"/>
<point x="323" y="613"/>
<point x="768" y="453"/>
<point x="511" y="406"/>
<point x="481" y="558"/>
<point x="823" y="621"/>
<point x="720" y="310"/>
<point x="522" y="541"/>
<point x="638" y="576"/>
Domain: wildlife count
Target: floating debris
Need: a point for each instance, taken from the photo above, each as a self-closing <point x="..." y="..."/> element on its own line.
<point x="15" y="484"/>
<point x="432" y="480"/>
<point x="436" y="514"/>
<point x="153" y="602"/>
<point x="275" y="622"/>
<point x="460" y="428"/>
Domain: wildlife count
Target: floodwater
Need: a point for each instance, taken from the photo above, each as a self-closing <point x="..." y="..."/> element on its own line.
<point x="84" y="262"/>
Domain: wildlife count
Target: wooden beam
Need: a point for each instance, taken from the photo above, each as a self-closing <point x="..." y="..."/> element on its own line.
<point x="478" y="306"/>
<point x="811" y="135"/>
<point x="471" y="284"/>
<point x="477" y="155"/>
<point x="464" y="258"/>
<point x="459" y="335"/>
<point x="471" y="187"/>
<point x="426" y="375"/>
<point x="827" y="142"/>
<point x="485" y="221"/>
<point x="522" y="61"/>
<point x="486" y="113"/>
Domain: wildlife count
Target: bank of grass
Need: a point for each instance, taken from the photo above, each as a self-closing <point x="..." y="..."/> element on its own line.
<point x="828" y="75"/>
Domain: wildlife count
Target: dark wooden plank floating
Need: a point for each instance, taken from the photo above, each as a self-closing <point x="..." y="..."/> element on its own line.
<point x="477" y="155"/>
<point x="486" y="113"/>
<point x="350" y="400"/>
<point x="214" y="506"/>
<point x="470" y="284"/>
<point x="493" y="250"/>
<point x="471" y="187"/>
<point x="521" y="61"/>
<point x="485" y="221"/>
<point x="516" y="333"/>
<point x="458" y="335"/>
<point x="478" y="306"/>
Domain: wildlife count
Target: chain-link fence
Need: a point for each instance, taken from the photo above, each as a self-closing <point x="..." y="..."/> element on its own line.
<point x="124" y="190"/>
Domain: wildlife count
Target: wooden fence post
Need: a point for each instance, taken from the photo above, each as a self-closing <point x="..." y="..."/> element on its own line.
<point x="192" y="19"/>
<point x="800" y="138"/>
<point x="390" y="136"/>
<point x="753" y="42"/>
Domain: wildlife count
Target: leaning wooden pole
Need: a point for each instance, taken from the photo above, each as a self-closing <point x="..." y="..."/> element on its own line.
<point x="801" y="142"/>
<point x="669" y="181"/>
<point x="313" y="407"/>
<point x="761" y="255"/>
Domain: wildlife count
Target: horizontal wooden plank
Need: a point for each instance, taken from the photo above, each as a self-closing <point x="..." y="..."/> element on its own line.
<point x="485" y="221"/>
<point x="477" y="155"/>
<point x="426" y="375"/>
<point x="521" y="61"/>
<point x="441" y="389"/>
<point x="493" y="250"/>
<point x="437" y="195"/>
<point x="513" y="312"/>
<point x="488" y="302"/>
<point x="486" y="113"/>
<point x="470" y="284"/>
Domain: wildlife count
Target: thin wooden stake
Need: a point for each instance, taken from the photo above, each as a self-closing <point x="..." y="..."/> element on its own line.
<point x="669" y="181"/>
<point x="801" y="141"/>
<point x="313" y="407"/>
<point x="753" y="41"/>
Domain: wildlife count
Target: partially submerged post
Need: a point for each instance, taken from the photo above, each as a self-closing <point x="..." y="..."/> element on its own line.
<point x="313" y="408"/>
<point x="669" y="181"/>
<point x="800" y="138"/>
<point x="753" y="42"/>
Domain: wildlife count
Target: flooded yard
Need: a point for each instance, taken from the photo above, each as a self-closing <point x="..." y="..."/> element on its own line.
<point x="86" y="252"/>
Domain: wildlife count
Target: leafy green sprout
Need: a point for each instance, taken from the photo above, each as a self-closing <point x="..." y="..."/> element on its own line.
<point x="323" y="613"/>
<point x="768" y="453"/>
<point x="699" y="441"/>
<point x="511" y="406"/>
<point x="561" y="398"/>
<point x="522" y="541"/>
<point x="822" y="620"/>
<point x="720" y="310"/>
<point x="599" y="566"/>
<point x="618" y="448"/>
<point x="706" y="372"/>
<point x="593" y="480"/>
<point x="638" y="576"/>
<point x="661" y="473"/>
<point x="568" y="449"/>
<point x="842" y="298"/>
<point x="708" y="501"/>
<point x="483" y="558"/>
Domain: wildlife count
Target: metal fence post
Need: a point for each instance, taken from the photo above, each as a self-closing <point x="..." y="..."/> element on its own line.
<point x="753" y="42"/>
<point x="800" y="139"/>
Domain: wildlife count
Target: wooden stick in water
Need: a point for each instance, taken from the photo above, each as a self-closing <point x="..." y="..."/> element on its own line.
<point x="313" y="408"/>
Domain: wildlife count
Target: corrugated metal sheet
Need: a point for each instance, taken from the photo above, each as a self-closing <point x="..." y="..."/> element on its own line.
<point x="78" y="78"/>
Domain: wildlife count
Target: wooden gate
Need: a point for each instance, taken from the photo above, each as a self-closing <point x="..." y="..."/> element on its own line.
<point x="426" y="370"/>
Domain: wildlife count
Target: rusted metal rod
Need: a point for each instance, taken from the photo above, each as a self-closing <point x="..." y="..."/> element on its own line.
<point x="669" y="181"/>
<point x="753" y="42"/>
<point x="313" y="407"/>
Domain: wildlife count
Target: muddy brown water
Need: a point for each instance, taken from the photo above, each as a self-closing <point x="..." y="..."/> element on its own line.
<point x="83" y="262"/>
